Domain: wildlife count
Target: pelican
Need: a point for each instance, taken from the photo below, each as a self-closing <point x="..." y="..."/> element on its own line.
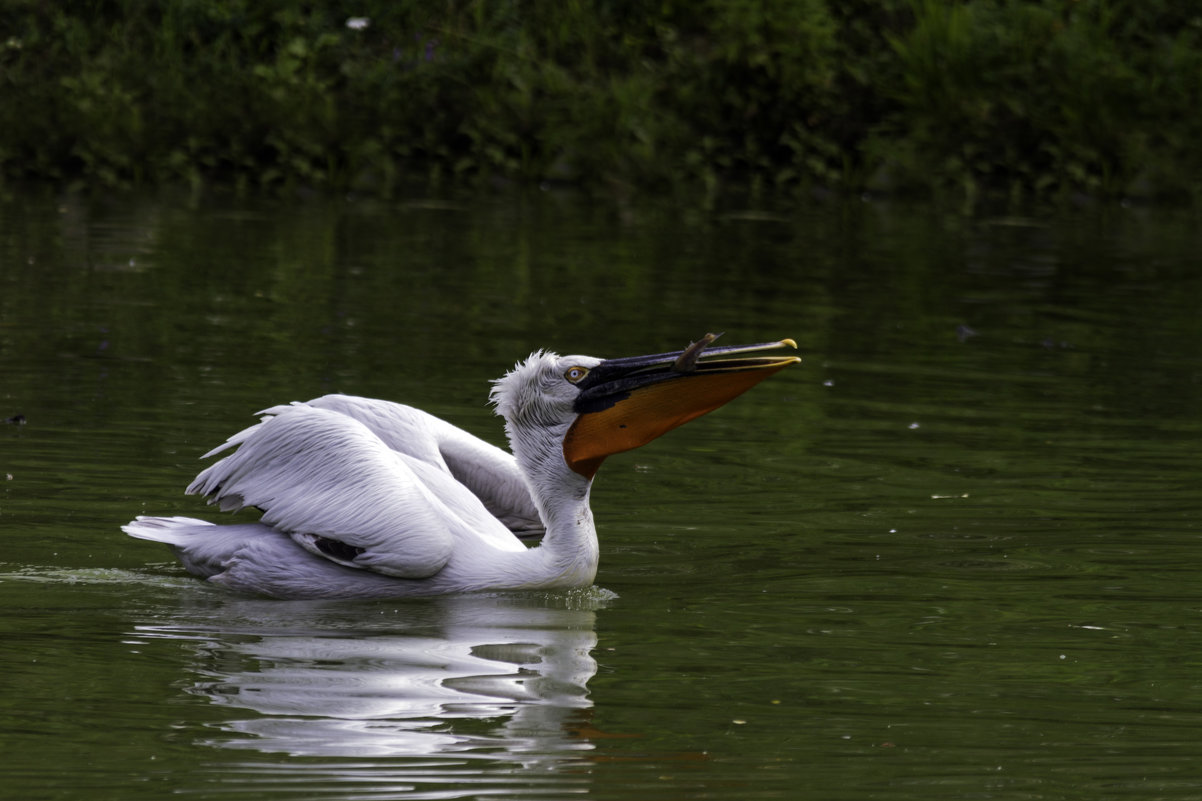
<point x="371" y="499"/>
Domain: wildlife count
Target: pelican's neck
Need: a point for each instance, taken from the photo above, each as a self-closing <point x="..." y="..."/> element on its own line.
<point x="569" y="552"/>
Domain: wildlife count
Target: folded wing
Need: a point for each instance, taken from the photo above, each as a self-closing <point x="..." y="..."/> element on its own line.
<point x="489" y="472"/>
<point x="338" y="490"/>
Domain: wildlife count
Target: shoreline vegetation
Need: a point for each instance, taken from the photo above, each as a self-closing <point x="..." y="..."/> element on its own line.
<point x="785" y="98"/>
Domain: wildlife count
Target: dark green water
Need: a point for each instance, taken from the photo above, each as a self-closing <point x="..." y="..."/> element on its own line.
<point x="952" y="555"/>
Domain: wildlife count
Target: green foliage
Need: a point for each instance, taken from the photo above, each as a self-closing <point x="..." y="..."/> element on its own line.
<point x="1025" y="98"/>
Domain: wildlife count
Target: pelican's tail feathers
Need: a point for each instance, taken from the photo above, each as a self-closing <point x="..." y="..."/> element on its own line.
<point x="171" y="530"/>
<point x="195" y="542"/>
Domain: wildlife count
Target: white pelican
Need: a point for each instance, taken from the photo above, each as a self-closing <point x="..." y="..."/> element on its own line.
<point x="372" y="499"/>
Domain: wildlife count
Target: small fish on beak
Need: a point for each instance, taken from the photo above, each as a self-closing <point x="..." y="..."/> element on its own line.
<point x="687" y="361"/>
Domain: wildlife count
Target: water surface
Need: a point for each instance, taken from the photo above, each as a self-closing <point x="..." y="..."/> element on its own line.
<point x="953" y="554"/>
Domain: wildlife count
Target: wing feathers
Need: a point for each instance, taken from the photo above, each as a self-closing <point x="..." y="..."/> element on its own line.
<point x="489" y="472"/>
<point x="317" y="472"/>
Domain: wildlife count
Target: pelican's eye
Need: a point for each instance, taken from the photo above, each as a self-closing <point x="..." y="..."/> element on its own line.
<point x="574" y="374"/>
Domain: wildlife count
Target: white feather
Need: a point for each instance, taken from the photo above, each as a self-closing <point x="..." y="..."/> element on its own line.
<point x="316" y="472"/>
<point x="490" y="473"/>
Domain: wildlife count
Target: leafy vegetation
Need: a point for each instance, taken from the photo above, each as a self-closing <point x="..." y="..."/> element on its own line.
<point x="686" y="96"/>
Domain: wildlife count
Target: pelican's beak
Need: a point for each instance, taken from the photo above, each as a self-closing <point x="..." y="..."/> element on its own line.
<point x="625" y="403"/>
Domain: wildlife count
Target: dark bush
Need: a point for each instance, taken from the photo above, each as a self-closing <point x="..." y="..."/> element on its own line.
<point x="985" y="96"/>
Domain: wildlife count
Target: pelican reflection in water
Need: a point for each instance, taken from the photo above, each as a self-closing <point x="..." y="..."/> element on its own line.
<point x="474" y="676"/>
<point x="372" y="499"/>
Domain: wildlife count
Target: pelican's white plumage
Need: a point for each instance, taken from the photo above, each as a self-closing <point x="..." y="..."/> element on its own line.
<point x="367" y="498"/>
